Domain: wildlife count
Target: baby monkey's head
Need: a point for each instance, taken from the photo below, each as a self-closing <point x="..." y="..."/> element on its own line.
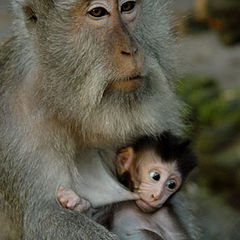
<point x="156" y="168"/>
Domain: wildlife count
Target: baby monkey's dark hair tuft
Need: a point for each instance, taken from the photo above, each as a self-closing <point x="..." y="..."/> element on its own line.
<point x="170" y="148"/>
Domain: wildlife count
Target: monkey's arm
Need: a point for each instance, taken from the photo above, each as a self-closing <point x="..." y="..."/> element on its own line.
<point x="55" y="222"/>
<point x="44" y="218"/>
<point x="95" y="182"/>
<point x="31" y="193"/>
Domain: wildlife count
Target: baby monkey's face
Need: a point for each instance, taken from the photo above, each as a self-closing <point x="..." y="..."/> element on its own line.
<point x="157" y="180"/>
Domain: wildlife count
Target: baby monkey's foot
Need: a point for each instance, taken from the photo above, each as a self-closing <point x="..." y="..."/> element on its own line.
<point x="69" y="199"/>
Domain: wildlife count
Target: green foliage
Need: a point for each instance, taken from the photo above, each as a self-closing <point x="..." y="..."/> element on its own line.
<point x="215" y="120"/>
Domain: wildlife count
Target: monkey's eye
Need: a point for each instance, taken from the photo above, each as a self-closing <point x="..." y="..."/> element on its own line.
<point x="128" y="6"/>
<point x="98" y="12"/>
<point x="154" y="175"/>
<point x="171" y="184"/>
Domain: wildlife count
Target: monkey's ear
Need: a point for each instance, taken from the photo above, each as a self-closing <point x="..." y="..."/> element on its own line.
<point x="30" y="14"/>
<point x="28" y="10"/>
<point x="125" y="159"/>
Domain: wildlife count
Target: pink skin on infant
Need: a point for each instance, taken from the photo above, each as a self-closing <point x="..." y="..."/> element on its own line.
<point x="69" y="199"/>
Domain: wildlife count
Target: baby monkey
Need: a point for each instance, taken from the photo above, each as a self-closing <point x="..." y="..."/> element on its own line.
<point x="153" y="167"/>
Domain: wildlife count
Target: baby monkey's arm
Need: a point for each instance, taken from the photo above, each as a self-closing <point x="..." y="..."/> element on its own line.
<point x="69" y="199"/>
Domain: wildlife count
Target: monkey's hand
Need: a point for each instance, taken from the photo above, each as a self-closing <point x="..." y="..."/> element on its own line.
<point x="69" y="199"/>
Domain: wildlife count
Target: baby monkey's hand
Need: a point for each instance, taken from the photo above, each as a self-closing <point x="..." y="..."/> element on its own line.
<point x="69" y="199"/>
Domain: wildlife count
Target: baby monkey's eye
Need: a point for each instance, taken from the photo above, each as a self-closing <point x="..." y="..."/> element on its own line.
<point x="155" y="175"/>
<point x="171" y="184"/>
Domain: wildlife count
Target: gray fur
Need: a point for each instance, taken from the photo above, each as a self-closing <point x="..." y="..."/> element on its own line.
<point x="130" y="223"/>
<point x="45" y="82"/>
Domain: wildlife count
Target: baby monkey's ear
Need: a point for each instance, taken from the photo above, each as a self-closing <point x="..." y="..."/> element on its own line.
<point x="125" y="158"/>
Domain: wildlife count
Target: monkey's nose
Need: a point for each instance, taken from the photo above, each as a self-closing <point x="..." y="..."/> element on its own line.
<point x="126" y="53"/>
<point x="129" y="52"/>
<point x="155" y="196"/>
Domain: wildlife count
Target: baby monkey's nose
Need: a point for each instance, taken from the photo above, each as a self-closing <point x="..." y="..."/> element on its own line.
<point x="155" y="196"/>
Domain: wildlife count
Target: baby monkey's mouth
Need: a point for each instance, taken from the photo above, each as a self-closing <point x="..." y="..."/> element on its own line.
<point x="145" y="206"/>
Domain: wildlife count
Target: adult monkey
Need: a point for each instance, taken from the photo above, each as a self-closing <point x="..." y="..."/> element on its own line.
<point x="77" y="75"/>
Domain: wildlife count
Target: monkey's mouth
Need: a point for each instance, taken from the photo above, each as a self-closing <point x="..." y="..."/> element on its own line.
<point x="127" y="84"/>
<point x="145" y="206"/>
<point x="131" y="78"/>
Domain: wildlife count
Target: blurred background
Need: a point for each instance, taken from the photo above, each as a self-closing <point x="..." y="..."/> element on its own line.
<point x="209" y="38"/>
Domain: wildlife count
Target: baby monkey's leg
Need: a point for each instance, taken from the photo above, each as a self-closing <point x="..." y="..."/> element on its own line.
<point x="69" y="199"/>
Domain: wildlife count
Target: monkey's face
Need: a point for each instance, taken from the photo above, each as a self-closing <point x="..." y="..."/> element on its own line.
<point x="110" y="24"/>
<point x="99" y="68"/>
<point x="158" y="181"/>
<point x="93" y="48"/>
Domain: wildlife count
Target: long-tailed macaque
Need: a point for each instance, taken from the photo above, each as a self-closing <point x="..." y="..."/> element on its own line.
<point x="78" y="80"/>
<point x="155" y="169"/>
